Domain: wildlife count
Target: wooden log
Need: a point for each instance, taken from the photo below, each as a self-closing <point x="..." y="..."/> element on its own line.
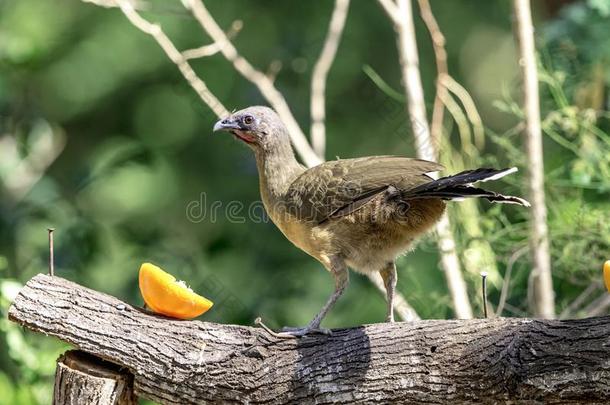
<point x="435" y="361"/>
<point x="81" y="378"/>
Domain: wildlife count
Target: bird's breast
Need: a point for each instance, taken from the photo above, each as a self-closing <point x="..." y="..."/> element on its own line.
<point x="296" y="231"/>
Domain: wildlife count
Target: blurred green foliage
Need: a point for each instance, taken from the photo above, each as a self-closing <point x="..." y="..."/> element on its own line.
<point x="101" y="138"/>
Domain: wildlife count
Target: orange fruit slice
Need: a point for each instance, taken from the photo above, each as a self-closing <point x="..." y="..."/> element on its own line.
<point x="607" y="274"/>
<point x="168" y="296"/>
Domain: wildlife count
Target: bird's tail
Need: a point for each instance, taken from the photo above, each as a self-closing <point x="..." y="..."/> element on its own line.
<point x="459" y="186"/>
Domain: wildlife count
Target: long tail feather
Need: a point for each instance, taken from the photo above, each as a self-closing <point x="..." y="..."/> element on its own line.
<point x="459" y="186"/>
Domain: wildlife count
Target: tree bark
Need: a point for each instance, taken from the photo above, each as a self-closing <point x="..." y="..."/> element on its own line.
<point x="476" y="361"/>
<point x="81" y="378"/>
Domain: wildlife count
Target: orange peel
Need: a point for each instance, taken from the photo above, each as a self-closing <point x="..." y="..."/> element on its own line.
<point x="168" y="296"/>
<point x="607" y="274"/>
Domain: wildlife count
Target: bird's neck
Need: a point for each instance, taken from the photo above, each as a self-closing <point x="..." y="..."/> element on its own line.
<point x="277" y="169"/>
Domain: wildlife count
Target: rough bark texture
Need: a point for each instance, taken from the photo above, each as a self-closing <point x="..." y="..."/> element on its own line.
<point x="81" y="378"/>
<point x="455" y="361"/>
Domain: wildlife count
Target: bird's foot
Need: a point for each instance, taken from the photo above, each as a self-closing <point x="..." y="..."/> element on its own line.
<point x="390" y="319"/>
<point x="302" y="331"/>
<point x="292" y="333"/>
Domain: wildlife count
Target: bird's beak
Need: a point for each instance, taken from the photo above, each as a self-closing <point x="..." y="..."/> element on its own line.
<point x="226" y="124"/>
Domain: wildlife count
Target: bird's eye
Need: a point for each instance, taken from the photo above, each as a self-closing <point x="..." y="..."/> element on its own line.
<point x="248" y="119"/>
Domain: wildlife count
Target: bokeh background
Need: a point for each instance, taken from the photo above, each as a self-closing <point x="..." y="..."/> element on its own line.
<point x="102" y="139"/>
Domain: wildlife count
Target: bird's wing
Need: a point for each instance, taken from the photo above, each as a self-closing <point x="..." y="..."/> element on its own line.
<point x="337" y="188"/>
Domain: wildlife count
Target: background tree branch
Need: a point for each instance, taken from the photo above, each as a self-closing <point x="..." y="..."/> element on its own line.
<point x="543" y="294"/>
<point x="320" y="74"/>
<point x="263" y="82"/>
<point x="440" y="55"/>
<point x="20" y="173"/>
<point x="478" y="255"/>
<point x="400" y="12"/>
<point x="174" y="55"/>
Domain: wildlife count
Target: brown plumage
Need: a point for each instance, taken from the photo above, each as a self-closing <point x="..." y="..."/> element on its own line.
<point x="359" y="213"/>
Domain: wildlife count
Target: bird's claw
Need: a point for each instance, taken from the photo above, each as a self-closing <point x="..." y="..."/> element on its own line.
<point x="292" y="333"/>
<point x="302" y="331"/>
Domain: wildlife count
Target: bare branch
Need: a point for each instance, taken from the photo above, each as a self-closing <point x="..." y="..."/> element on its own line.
<point x="274" y="68"/>
<point x="469" y="211"/>
<point x="138" y="5"/>
<point x="599" y="306"/>
<point x="320" y="73"/>
<point x="471" y="109"/>
<point x="515" y="311"/>
<point x="201" y="52"/>
<point x="446" y="82"/>
<point x="506" y="284"/>
<point x="438" y="43"/>
<point x="256" y="77"/>
<point x="572" y="308"/>
<point x="214" y="48"/>
<point x="544" y="296"/>
<point x="411" y="80"/>
<point x="450" y="264"/>
<point x="24" y="172"/>
<point x="462" y="124"/>
<point x="391" y="10"/>
<point x="175" y="56"/>
<point x="401" y="15"/>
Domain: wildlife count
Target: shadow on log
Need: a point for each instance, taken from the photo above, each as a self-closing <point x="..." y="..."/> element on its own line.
<point x="436" y="361"/>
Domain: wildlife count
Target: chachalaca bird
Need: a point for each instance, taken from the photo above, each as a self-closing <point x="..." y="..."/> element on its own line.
<point x="360" y="213"/>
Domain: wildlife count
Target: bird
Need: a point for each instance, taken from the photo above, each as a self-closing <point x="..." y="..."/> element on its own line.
<point x="359" y="213"/>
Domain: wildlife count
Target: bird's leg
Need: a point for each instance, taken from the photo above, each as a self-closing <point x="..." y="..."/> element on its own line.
<point x="388" y="274"/>
<point x="340" y="273"/>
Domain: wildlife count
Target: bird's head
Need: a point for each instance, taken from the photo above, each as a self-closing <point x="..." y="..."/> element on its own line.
<point x="259" y="127"/>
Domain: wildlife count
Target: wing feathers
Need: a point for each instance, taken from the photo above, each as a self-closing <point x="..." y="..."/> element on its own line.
<point x="341" y="187"/>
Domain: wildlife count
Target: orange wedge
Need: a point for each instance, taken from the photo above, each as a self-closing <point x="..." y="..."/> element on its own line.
<point x="168" y="296"/>
<point x="607" y="274"/>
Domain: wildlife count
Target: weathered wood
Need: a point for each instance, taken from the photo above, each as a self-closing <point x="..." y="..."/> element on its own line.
<point x="81" y="378"/>
<point x="480" y="360"/>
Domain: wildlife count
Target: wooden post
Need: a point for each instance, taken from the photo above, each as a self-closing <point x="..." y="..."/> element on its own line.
<point x="82" y="378"/>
